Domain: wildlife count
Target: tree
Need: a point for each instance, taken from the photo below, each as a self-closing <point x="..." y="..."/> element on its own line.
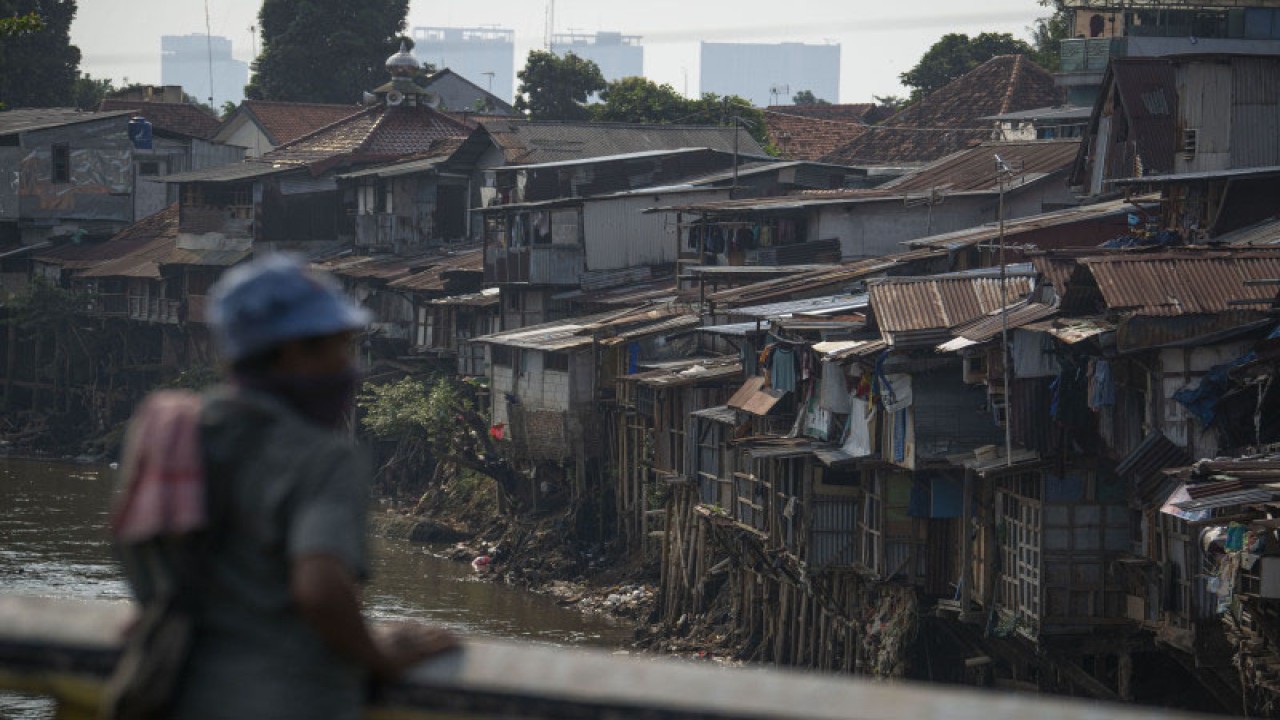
<point x="892" y="103"/>
<point x="956" y="54"/>
<point x="640" y="100"/>
<point x="89" y="92"/>
<point x="1048" y="31"/>
<point x="806" y="97"/>
<point x="38" y="63"/>
<point x="327" y="51"/>
<point x="557" y="88"/>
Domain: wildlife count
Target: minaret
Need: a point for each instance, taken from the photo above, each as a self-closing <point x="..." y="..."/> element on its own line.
<point x="401" y="90"/>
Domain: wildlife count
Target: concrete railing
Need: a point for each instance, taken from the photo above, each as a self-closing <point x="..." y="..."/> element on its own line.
<point x="64" y="648"/>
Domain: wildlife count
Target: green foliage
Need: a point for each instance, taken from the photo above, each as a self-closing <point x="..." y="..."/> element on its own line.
<point x="38" y="63"/>
<point x="557" y="88"/>
<point x="20" y="24"/>
<point x="893" y="103"/>
<point x="639" y="100"/>
<point x="806" y="97"/>
<point x="45" y="306"/>
<point x="89" y="92"/>
<point x="956" y="54"/>
<point x="1048" y="31"/>
<point x="414" y="411"/>
<point x="327" y="51"/>
<point x="228" y="108"/>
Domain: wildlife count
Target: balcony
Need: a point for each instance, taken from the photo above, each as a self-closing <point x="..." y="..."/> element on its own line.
<point x="534" y="264"/>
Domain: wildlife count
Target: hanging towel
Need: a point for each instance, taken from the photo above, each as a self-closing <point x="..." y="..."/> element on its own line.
<point x="835" y="390"/>
<point x="163" y="471"/>
<point x="782" y="369"/>
<point x="858" y="437"/>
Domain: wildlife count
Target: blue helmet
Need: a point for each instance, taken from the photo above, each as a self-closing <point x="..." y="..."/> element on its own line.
<point x="274" y="299"/>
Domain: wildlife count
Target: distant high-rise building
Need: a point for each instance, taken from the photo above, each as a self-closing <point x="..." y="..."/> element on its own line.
<point x="191" y="60"/>
<point x="770" y="74"/>
<point x="485" y="56"/>
<point x="617" y="55"/>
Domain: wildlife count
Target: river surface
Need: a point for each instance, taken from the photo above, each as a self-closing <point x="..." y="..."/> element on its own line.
<point x="52" y="544"/>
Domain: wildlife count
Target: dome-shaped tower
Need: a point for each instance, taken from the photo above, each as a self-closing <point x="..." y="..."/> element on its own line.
<point x="402" y="89"/>
<point x="403" y="63"/>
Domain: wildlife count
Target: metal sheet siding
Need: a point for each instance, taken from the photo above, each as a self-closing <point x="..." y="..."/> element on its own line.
<point x="832" y="524"/>
<point x="618" y="235"/>
<point x="1255" y="112"/>
<point x="1204" y="98"/>
<point x="1148" y="90"/>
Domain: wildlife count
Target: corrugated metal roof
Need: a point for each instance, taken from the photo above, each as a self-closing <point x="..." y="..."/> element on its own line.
<point x="692" y="374"/>
<point x="986" y="328"/>
<point x="396" y="169"/>
<point x="582" y="331"/>
<point x="808" y="282"/>
<point x="1251" y="496"/>
<point x="923" y="303"/>
<point x="1060" y="112"/>
<point x="246" y="170"/>
<point x="205" y="258"/>
<point x="1013" y="228"/>
<point x="526" y="141"/>
<point x="1231" y="174"/>
<point x="29" y="119"/>
<point x="1172" y="284"/>
<point x="976" y="169"/>
<point x="484" y="298"/>
<point x="811" y="306"/>
<point x="681" y="322"/>
<point x="777" y="448"/>
<point x="1263" y="233"/>
<point x="442" y="269"/>
<point x="141" y="236"/>
<point x="1072" y="330"/>
<point x="720" y="413"/>
<point x="736" y="329"/>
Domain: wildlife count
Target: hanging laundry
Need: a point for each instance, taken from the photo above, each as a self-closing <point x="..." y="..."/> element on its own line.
<point x="895" y="390"/>
<point x="1102" y="388"/>
<point x="817" y="420"/>
<point x="858" y="434"/>
<point x="835" y="391"/>
<point x="782" y="369"/>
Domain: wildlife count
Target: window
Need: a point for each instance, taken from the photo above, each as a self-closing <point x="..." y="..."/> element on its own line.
<point x="61" y="156"/>
<point x="148" y="168"/>
<point x="500" y="356"/>
<point x="556" y="361"/>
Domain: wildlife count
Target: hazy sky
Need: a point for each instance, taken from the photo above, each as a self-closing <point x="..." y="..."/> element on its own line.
<point x="121" y="38"/>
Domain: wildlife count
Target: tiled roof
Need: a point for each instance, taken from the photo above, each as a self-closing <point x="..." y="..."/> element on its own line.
<point x="377" y="133"/>
<point x="287" y="121"/>
<point x="181" y="118"/>
<point x="948" y="119"/>
<point x="1185" y="283"/>
<point x="848" y="112"/>
<point x="975" y="169"/>
<point x="808" y="138"/>
<point x="130" y="252"/>
<point x="526" y="142"/>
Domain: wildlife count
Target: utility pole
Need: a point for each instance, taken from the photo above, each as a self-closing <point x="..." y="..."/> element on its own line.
<point x="1003" y="172"/>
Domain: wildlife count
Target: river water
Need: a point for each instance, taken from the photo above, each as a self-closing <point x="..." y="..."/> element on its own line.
<point x="52" y="544"/>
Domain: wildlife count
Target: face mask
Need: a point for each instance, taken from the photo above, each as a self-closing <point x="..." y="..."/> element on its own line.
<point x="325" y="399"/>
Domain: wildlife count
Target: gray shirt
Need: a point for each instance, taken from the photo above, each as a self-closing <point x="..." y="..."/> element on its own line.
<point x="295" y="488"/>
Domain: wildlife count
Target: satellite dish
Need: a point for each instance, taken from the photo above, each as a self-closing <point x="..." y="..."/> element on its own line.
<point x="395" y="97"/>
<point x="368" y="98"/>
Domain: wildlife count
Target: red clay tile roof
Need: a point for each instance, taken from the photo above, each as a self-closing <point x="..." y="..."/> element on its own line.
<point x="182" y="118"/>
<point x="287" y="121"/>
<point x="947" y="120"/>
<point x="374" y="134"/>
<point x="808" y="138"/>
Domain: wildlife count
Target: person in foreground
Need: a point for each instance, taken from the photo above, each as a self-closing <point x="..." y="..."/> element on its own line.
<point x="244" y="511"/>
